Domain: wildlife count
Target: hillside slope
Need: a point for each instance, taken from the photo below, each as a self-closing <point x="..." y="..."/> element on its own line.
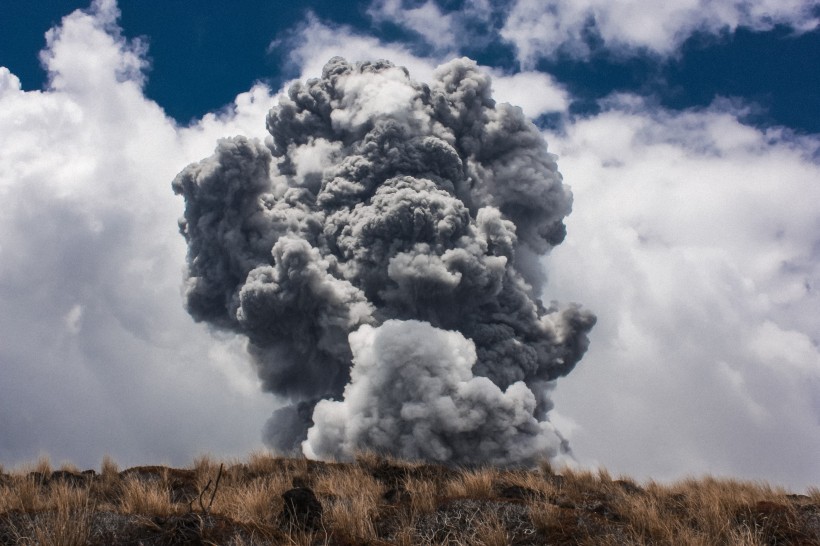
<point x="376" y="501"/>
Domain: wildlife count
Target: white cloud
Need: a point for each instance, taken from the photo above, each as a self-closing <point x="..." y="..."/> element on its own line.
<point x="544" y="28"/>
<point x="445" y="31"/>
<point x="317" y="42"/>
<point x="695" y="239"/>
<point x="98" y="354"/>
<point x="427" y="20"/>
<point x="539" y="28"/>
<point x="535" y="92"/>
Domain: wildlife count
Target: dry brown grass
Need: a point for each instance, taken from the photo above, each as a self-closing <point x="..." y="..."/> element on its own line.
<point x="476" y="484"/>
<point x="25" y="493"/>
<point x="424" y="495"/>
<point x="265" y="462"/>
<point x="62" y="517"/>
<point x="491" y="532"/>
<point x="256" y="501"/>
<point x="43" y="466"/>
<point x="380" y="500"/>
<point x="148" y="497"/>
<point x="68" y="466"/>
<point x="354" y="498"/>
<point x="69" y="523"/>
<point x="109" y="467"/>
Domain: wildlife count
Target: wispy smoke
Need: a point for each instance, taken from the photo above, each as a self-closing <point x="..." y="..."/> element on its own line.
<point x="379" y="251"/>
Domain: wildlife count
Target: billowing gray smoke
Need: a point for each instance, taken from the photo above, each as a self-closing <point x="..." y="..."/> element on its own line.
<point x="379" y="251"/>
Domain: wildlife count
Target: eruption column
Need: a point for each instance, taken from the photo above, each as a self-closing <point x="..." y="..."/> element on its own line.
<point x="379" y="252"/>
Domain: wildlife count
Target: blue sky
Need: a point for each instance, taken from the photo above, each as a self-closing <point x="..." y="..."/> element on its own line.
<point x="688" y="132"/>
<point x="202" y="58"/>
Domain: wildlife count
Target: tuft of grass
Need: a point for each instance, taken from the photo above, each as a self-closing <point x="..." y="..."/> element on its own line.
<point x="70" y="521"/>
<point x="27" y="494"/>
<point x="206" y="469"/>
<point x="263" y="462"/>
<point x="370" y="459"/>
<point x="544" y="515"/>
<point x="109" y="467"/>
<point x="476" y="484"/>
<point x="62" y="517"/>
<point x="148" y="497"/>
<point x="258" y="501"/>
<point x="491" y="532"/>
<point x="43" y="466"/>
<point x="355" y="496"/>
<point x="424" y="495"/>
<point x="106" y="487"/>
<point x="67" y="466"/>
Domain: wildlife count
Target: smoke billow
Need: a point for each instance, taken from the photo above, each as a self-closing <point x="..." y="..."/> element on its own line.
<point x="379" y="252"/>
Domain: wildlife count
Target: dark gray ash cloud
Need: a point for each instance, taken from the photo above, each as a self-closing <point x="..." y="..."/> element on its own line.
<point x="389" y="229"/>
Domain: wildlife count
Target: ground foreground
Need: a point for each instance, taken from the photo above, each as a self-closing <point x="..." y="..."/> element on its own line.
<point x="376" y="501"/>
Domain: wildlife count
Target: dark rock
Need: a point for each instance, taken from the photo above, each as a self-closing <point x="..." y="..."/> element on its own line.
<point x="630" y="487"/>
<point x="70" y="478"/>
<point x="302" y="509"/>
<point x="145" y="474"/>
<point x="518" y="492"/>
<point x="799" y="498"/>
<point x="390" y="475"/>
<point x="810" y="516"/>
<point x="605" y="511"/>
<point x="397" y="495"/>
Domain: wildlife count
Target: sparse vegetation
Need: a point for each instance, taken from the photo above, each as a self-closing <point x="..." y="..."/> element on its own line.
<point x="379" y="500"/>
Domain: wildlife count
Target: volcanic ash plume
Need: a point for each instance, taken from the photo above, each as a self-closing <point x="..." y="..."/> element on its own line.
<point x="379" y="252"/>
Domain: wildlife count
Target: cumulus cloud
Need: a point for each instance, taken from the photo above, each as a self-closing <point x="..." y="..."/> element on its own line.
<point x="427" y="202"/>
<point x="548" y="28"/>
<point x="96" y="354"/>
<point x="541" y="29"/>
<point x="316" y="41"/>
<point x="696" y="240"/>
<point x="517" y="89"/>
<point x="427" y="19"/>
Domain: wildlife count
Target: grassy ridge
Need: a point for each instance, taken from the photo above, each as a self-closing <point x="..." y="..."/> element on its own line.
<point x="378" y="500"/>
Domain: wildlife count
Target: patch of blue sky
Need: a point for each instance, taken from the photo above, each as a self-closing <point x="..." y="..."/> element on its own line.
<point x="202" y="55"/>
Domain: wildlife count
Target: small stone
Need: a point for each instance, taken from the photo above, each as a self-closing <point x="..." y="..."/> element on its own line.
<point x="302" y="509"/>
<point x="518" y="492"/>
